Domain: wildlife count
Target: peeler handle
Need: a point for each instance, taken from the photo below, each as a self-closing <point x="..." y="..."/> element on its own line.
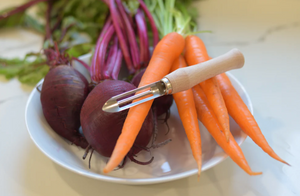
<point x="185" y="78"/>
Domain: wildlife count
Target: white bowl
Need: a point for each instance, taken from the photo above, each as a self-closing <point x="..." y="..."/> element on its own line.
<point x="171" y="162"/>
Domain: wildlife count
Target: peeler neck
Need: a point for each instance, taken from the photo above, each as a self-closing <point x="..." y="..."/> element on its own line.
<point x="168" y="85"/>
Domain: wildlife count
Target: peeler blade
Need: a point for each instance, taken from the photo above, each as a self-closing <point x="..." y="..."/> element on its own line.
<point x="134" y="97"/>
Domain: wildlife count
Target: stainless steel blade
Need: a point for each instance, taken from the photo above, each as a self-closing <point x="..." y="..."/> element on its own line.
<point x="122" y="101"/>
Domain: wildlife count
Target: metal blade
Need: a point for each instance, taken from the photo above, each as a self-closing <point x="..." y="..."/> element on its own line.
<point x="120" y="102"/>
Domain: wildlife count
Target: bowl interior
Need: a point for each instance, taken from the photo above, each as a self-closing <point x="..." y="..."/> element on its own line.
<point x="172" y="161"/>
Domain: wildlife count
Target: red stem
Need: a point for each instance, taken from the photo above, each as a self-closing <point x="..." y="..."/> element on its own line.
<point x="59" y="17"/>
<point x="55" y="58"/>
<point x="152" y="23"/>
<point x="142" y="33"/>
<point x="129" y="16"/>
<point x="103" y="50"/>
<point x="122" y="40"/>
<point x="130" y="35"/>
<point x="56" y="50"/>
<point x="147" y="55"/>
<point x="81" y="62"/>
<point x="20" y="8"/>
<point x="48" y="18"/>
<point x="111" y="59"/>
<point x="95" y="60"/>
<point x="117" y="66"/>
<point x="57" y="24"/>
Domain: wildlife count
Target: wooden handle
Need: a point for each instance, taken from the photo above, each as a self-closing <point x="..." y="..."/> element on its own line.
<point x="185" y="78"/>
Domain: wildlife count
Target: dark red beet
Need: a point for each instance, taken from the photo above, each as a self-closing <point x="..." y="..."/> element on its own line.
<point x="63" y="93"/>
<point x="102" y="129"/>
<point x="162" y="104"/>
<point x="137" y="77"/>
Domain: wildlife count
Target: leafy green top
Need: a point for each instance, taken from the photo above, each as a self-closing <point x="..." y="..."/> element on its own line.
<point x="171" y="15"/>
<point x="75" y="26"/>
<point x="28" y="72"/>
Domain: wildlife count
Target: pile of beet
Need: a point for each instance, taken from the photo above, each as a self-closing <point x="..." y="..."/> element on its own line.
<point x="70" y="102"/>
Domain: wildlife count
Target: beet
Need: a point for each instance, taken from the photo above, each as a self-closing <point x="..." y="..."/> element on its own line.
<point x="102" y="129"/>
<point x="63" y="93"/>
<point x="162" y="104"/>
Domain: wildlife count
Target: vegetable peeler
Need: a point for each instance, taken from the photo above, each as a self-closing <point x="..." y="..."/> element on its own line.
<point x="179" y="80"/>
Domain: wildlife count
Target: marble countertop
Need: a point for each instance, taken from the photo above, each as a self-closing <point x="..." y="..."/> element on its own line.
<point x="266" y="31"/>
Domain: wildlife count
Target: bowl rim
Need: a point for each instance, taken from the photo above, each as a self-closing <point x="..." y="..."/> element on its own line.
<point x="136" y="181"/>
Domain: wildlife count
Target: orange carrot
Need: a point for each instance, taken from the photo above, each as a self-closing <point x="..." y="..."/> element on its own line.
<point x="196" y="53"/>
<point x="165" y="53"/>
<point x="209" y="120"/>
<point x="215" y="98"/>
<point x="186" y="109"/>
<point x="242" y="116"/>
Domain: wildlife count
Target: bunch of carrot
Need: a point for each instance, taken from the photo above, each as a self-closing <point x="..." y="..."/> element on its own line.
<point x="215" y="100"/>
<point x="211" y="102"/>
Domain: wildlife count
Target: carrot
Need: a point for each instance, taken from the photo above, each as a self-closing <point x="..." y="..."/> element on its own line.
<point x="196" y="53"/>
<point x="209" y="120"/>
<point x="215" y="98"/>
<point x="186" y="109"/>
<point x="242" y="116"/>
<point x="165" y="53"/>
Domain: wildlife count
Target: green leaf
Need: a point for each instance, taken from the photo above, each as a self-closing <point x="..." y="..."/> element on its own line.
<point x="78" y="24"/>
<point x="10" y="67"/>
<point x="14" y="20"/>
<point x="32" y="23"/>
<point x="14" y="61"/>
<point x="21" y="19"/>
<point x="80" y="49"/>
<point x="32" y="75"/>
<point x="71" y="20"/>
<point x="10" y="72"/>
<point x="28" y="72"/>
<point x="168" y="17"/>
<point x="89" y="16"/>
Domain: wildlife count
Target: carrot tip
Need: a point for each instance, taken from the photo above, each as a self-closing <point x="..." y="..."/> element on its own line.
<point x="199" y="173"/>
<point x="276" y="157"/>
<point x="198" y="176"/>
<point x="255" y="173"/>
<point x="105" y="171"/>
<point x="286" y="163"/>
<point x="199" y="168"/>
